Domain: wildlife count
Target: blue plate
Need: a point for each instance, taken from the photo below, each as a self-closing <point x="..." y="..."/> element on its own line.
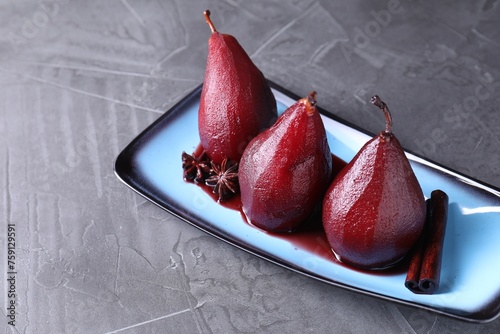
<point x="470" y="276"/>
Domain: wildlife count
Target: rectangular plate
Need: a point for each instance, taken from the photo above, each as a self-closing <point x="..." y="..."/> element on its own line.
<point x="470" y="277"/>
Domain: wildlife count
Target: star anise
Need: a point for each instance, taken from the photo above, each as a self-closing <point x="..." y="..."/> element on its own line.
<point x="224" y="179"/>
<point x="196" y="169"/>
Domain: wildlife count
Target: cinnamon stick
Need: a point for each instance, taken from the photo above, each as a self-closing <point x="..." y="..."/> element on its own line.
<point x="425" y="265"/>
<point x="413" y="275"/>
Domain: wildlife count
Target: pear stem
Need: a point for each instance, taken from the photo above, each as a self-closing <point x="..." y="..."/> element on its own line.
<point x="375" y="100"/>
<point x="206" y="13"/>
<point x="311" y="103"/>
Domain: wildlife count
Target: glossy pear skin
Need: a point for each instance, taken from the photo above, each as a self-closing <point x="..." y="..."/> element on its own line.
<point x="285" y="170"/>
<point x="374" y="210"/>
<point x="236" y="100"/>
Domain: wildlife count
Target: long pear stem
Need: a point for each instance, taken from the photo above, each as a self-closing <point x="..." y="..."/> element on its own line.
<point x="207" y="18"/>
<point x="375" y="100"/>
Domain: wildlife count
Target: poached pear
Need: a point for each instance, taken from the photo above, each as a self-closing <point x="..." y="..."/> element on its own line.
<point x="285" y="170"/>
<point x="374" y="210"/>
<point x="236" y="100"/>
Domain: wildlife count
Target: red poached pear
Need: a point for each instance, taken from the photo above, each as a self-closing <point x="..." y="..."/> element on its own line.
<point x="374" y="210"/>
<point x="236" y="100"/>
<point x="285" y="170"/>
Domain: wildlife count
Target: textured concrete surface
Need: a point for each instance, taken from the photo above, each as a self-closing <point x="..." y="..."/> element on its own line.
<point x="80" y="79"/>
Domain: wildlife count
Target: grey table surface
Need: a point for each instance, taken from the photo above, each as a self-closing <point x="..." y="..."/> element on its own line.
<point x="80" y="79"/>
